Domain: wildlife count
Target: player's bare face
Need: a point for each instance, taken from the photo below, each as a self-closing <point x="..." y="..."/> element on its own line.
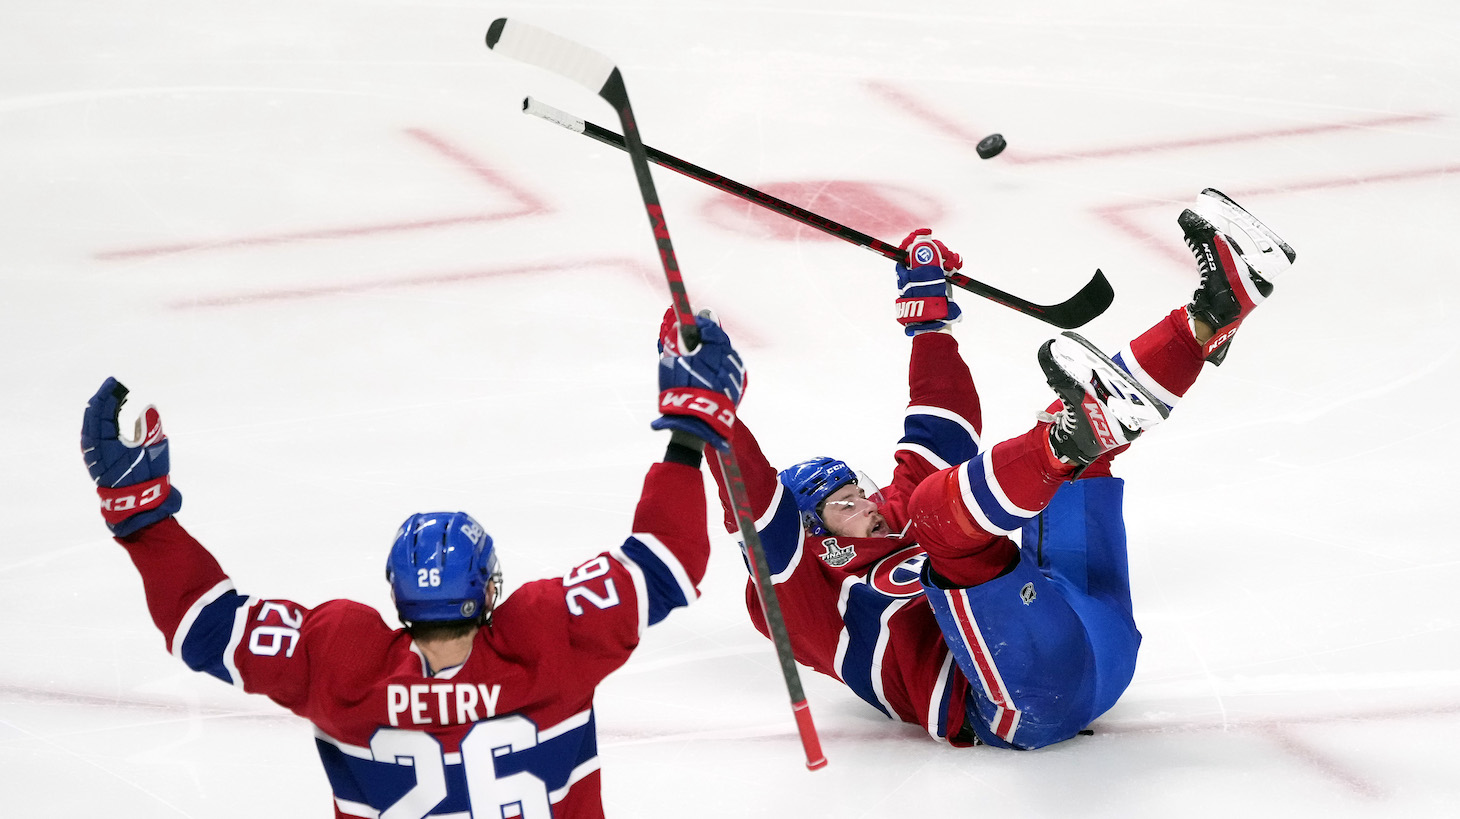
<point x="847" y="512"/>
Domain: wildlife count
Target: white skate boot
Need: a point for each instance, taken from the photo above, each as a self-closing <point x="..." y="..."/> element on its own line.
<point x="1239" y="258"/>
<point x="1104" y="407"/>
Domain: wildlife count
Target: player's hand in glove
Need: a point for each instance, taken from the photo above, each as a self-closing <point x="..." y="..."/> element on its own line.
<point x="130" y="474"/>
<point x="700" y="389"/>
<point x="924" y="301"/>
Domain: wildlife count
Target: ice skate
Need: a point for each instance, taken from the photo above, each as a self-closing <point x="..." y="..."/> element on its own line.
<point x="1104" y="407"/>
<point x="1239" y="258"/>
<point x="1254" y="241"/>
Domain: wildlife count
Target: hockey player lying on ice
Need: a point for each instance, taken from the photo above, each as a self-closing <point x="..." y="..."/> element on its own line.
<point x="474" y="707"/>
<point x="916" y="597"/>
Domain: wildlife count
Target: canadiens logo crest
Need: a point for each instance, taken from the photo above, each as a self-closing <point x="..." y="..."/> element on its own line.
<point x="1027" y="594"/>
<point x="899" y="575"/>
<point x="837" y="555"/>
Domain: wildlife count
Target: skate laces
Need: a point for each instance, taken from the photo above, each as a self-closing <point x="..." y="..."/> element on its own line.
<point x="1205" y="258"/>
<point x="1062" y="423"/>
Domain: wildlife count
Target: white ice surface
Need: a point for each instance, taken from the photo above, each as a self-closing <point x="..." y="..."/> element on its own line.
<point x="359" y="283"/>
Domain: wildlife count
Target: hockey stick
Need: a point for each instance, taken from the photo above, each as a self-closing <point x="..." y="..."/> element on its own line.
<point x="1076" y="311"/>
<point x="587" y="67"/>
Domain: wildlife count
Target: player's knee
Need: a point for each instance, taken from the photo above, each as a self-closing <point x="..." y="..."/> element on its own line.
<point x="940" y="522"/>
<point x="960" y="552"/>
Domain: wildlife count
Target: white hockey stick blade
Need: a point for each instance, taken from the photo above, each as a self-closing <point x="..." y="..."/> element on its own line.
<point x="556" y="116"/>
<point x="544" y="49"/>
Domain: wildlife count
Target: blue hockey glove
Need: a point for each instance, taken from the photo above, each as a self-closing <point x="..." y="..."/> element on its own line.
<point x="924" y="301"/>
<point x="700" y="389"/>
<point x="130" y="475"/>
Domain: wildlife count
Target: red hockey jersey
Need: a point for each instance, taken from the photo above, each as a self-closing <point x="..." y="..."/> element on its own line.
<point x="509" y="732"/>
<point x="854" y="607"/>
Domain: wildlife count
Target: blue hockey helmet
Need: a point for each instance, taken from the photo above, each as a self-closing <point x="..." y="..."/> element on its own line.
<point x="810" y="482"/>
<point x="439" y="567"/>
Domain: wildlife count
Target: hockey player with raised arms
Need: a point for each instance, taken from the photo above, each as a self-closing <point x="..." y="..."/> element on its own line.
<point x="476" y="707"/>
<point x="917" y="597"/>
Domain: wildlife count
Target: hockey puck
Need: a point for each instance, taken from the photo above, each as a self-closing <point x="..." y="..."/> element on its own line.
<point x="991" y="145"/>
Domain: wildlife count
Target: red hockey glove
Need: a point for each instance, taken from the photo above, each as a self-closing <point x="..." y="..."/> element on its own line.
<point x="923" y="249"/>
<point x="699" y="390"/>
<point x="924" y="302"/>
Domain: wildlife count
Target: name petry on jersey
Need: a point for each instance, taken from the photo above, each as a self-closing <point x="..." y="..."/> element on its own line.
<point x="510" y="732"/>
<point x="854" y="607"/>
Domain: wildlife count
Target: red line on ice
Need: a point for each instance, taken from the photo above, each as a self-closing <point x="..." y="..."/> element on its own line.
<point x="625" y="265"/>
<point x="1119" y="216"/>
<point x="529" y="202"/>
<point x="303" y="235"/>
<point x="923" y="112"/>
<point x="526" y="205"/>
<point x="1327" y="766"/>
<point x="1021" y="157"/>
<point x="1218" y="139"/>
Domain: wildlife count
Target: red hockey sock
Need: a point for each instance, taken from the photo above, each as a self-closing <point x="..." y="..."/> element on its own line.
<point x="1027" y="470"/>
<point x="1167" y="356"/>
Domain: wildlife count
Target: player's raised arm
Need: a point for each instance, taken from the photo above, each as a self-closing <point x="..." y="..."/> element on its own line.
<point x="138" y="502"/>
<point x="699" y="392"/>
<point x="944" y="418"/>
<point x="759" y="476"/>
<point x="191" y="599"/>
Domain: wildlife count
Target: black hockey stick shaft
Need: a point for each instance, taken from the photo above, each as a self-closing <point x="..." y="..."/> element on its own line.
<point x="577" y="62"/>
<point x="1076" y="311"/>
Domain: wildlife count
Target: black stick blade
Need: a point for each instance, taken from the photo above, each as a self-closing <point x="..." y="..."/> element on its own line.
<point x="1075" y="311"/>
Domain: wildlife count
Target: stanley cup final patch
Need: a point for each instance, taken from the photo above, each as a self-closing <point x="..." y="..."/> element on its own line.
<point x="836" y="555"/>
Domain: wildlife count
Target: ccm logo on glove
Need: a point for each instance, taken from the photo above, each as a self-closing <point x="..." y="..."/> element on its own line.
<point x="122" y="502"/>
<point x="701" y="402"/>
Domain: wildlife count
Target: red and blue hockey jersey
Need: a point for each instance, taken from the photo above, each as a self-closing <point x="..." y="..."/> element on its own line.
<point x="854" y="607"/>
<point x="510" y="732"/>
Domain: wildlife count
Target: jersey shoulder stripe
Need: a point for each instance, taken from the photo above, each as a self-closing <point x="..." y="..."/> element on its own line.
<point x="185" y="625"/>
<point x="781" y="536"/>
<point x="659" y="577"/>
<point x="207" y="631"/>
<point x="943" y="432"/>
<point x="934" y="460"/>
